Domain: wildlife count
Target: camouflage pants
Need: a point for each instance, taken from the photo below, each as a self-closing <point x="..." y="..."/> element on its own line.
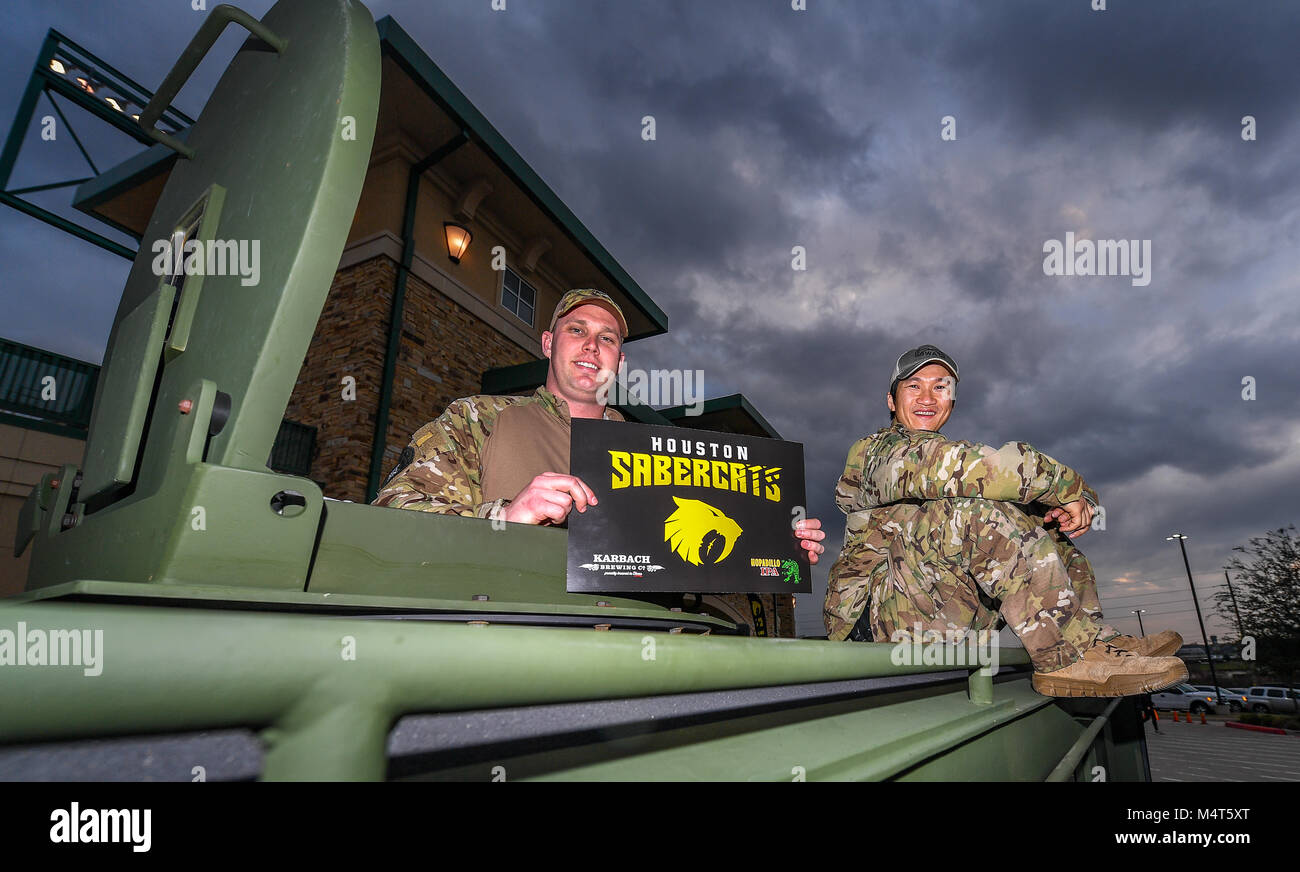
<point x="939" y="565"/>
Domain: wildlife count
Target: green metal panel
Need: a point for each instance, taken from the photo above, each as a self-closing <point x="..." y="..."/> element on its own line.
<point x="272" y="134"/>
<point x="905" y="736"/>
<point x="329" y="689"/>
<point x="443" y="563"/>
<point x="200" y="524"/>
<point x="326" y="710"/>
<point x="123" y="401"/>
<point x="206" y="214"/>
<point x="286" y="138"/>
<point x="33" y="514"/>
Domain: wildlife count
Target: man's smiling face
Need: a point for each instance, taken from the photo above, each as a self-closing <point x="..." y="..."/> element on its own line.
<point x="586" y="343"/>
<point x="923" y="401"/>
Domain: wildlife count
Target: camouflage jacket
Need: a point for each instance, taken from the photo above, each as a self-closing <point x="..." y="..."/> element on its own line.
<point x="445" y="467"/>
<point x="891" y="475"/>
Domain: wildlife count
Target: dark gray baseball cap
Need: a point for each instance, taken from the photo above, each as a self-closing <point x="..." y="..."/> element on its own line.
<point x="911" y="361"/>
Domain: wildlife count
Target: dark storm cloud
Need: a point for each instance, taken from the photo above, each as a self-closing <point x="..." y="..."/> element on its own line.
<point x="1247" y="183"/>
<point x="693" y="202"/>
<point x="987" y="277"/>
<point x="1061" y="67"/>
<point x="686" y="213"/>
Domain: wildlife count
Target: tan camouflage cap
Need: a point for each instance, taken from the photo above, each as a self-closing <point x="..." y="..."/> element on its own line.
<point x="582" y="296"/>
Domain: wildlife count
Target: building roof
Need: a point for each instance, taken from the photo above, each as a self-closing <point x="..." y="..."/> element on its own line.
<point x="124" y="195"/>
<point x="730" y="414"/>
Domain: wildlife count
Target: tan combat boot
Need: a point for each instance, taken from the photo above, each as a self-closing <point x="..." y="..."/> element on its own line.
<point x="1162" y="644"/>
<point x="1109" y="670"/>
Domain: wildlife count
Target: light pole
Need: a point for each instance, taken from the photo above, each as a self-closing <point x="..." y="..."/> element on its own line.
<point x="1141" y="630"/>
<point x="1241" y="631"/>
<point x="1204" y="638"/>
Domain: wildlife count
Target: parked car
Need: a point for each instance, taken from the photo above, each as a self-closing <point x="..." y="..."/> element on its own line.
<point x="1278" y="700"/>
<point x="1185" y="698"/>
<point x="1235" y="700"/>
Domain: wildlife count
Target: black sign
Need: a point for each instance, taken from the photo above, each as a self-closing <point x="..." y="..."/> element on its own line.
<point x="686" y="510"/>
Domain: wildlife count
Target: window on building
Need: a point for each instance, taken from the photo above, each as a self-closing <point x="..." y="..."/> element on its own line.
<point x="518" y="296"/>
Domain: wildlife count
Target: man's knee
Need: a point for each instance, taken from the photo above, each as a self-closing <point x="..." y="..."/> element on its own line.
<point x="995" y="539"/>
<point x="989" y="521"/>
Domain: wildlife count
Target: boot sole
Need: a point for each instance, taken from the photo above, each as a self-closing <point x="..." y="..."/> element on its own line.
<point x="1115" y="685"/>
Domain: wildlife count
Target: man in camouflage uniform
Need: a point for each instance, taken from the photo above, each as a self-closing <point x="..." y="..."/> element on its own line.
<point x="507" y="458"/>
<point x="943" y="535"/>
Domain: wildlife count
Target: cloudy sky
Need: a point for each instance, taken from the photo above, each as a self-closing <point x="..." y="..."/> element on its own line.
<point x="822" y="128"/>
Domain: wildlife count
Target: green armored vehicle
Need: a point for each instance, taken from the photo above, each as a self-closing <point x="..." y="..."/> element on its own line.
<point x="216" y="616"/>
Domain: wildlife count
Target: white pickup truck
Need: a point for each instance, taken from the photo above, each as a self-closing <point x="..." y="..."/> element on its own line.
<point x="1278" y="700"/>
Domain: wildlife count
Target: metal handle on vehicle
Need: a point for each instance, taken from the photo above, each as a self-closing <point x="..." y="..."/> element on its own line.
<point x="211" y="28"/>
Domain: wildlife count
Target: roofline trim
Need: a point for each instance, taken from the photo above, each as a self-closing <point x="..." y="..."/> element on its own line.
<point x="397" y="43"/>
<point x="722" y="404"/>
<point x="131" y="172"/>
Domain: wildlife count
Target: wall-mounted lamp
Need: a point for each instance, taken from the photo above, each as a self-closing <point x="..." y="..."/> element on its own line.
<point x="458" y="237"/>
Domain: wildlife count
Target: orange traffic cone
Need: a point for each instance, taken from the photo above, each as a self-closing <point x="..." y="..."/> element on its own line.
<point x="1175" y="717"/>
<point x="1202" y="717"/>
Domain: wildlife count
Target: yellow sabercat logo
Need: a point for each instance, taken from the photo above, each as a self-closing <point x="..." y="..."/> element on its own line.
<point x="698" y="532"/>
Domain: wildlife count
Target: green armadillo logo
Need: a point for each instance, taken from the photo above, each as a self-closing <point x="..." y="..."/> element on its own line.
<point x="697" y="532"/>
<point x="790" y="571"/>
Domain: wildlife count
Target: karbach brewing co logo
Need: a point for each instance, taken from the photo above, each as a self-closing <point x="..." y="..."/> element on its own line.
<point x="635" y="565"/>
<point x="688" y="514"/>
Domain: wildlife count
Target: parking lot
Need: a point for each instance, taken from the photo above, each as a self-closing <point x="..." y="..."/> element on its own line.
<point x="1213" y="752"/>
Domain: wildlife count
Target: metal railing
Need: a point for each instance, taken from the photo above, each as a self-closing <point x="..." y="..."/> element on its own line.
<point x="41" y="390"/>
<point x="44" y="390"/>
<point x="72" y="73"/>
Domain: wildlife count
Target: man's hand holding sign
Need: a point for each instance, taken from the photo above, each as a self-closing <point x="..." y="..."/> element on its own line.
<point x="507" y="457"/>
<point x="548" y="499"/>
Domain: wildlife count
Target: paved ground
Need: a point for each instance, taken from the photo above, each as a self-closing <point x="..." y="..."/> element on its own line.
<point x="1213" y="752"/>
